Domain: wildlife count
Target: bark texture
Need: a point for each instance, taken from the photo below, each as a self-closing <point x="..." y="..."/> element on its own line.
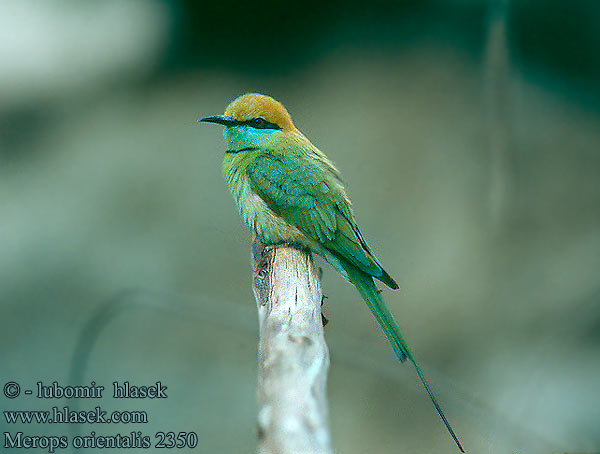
<point x="292" y="353"/>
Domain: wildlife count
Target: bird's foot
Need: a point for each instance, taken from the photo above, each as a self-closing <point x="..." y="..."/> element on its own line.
<point x="323" y="318"/>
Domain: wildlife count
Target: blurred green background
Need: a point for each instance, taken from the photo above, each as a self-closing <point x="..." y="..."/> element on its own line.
<point x="468" y="132"/>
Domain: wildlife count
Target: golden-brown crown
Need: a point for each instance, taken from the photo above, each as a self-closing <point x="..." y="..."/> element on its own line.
<point x="254" y="105"/>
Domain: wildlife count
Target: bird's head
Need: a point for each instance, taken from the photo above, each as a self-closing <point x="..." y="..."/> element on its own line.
<point x="253" y="121"/>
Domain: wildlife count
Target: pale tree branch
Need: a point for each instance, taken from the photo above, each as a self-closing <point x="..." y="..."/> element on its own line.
<point x="292" y="353"/>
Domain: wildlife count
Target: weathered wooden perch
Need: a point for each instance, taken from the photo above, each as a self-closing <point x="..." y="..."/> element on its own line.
<point x="292" y="353"/>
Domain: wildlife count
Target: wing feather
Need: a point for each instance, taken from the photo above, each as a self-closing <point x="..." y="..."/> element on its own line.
<point x="308" y="195"/>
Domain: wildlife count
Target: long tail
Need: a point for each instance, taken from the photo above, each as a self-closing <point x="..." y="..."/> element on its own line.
<point x="366" y="287"/>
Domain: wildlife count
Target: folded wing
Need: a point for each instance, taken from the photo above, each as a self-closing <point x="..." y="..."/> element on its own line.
<point x="307" y="195"/>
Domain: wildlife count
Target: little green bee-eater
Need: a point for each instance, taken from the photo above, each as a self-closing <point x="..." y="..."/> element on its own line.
<point x="288" y="191"/>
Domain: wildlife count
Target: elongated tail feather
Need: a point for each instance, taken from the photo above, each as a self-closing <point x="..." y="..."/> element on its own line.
<point x="366" y="287"/>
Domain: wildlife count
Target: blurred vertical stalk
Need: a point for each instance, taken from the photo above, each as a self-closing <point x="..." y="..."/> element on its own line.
<point x="498" y="105"/>
<point x="292" y="353"/>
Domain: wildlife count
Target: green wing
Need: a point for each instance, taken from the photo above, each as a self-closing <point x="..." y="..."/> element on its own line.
<point x="309" y="196"/>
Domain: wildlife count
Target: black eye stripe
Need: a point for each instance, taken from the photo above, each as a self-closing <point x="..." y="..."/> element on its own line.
<point x="260" y="123"/>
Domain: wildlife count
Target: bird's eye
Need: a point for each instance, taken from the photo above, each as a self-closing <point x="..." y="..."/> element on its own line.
<point x="260" y="123"/>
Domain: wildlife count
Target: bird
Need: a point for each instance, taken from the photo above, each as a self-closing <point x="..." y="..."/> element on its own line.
<point x="289" y="192"/>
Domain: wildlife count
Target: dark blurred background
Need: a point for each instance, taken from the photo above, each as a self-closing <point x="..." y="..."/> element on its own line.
<point x="468" y="132"/>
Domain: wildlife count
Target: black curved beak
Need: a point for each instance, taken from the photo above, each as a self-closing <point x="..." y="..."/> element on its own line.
<point x="224" y="120"/>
